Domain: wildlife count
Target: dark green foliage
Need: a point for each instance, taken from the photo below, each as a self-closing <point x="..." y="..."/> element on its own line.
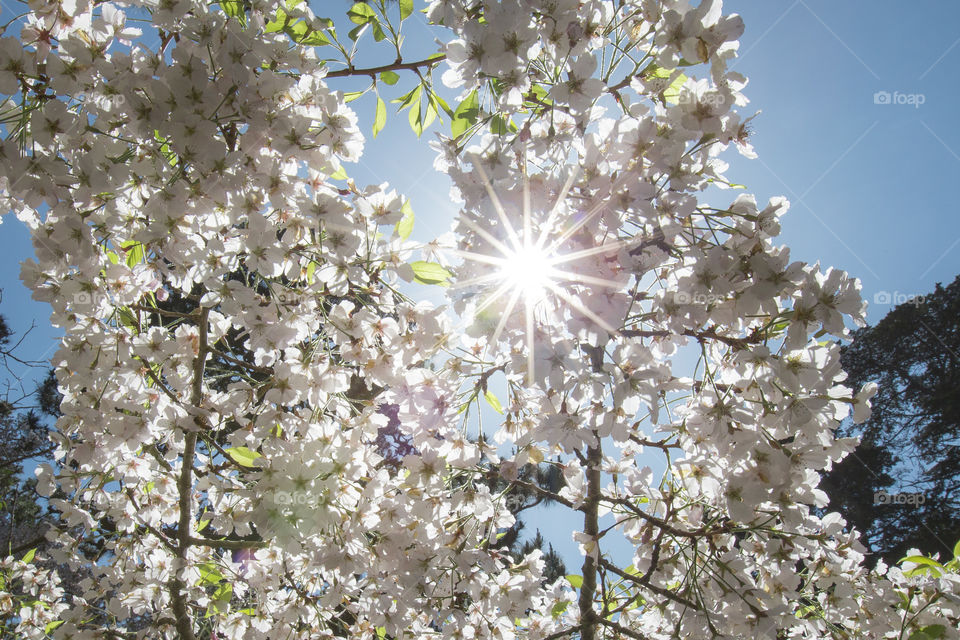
<point x="541" y="481"/>
<point x="911" y="444"/>
<point x="24" y="418"/>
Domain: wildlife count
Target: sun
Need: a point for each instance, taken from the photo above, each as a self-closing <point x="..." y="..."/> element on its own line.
<point x="528" y="269"/>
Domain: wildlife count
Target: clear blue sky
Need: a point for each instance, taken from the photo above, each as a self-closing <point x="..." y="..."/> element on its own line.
<point x="871" y="183"/>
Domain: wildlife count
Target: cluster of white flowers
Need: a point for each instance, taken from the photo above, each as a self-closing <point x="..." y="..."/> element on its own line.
<point x="235" y="347"/>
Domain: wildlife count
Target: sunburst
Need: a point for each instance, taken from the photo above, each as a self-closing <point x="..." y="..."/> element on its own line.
<point x="528" y="267"/>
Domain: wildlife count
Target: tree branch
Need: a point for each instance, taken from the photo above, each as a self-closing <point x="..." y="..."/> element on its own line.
<point x="396" y="66"/>
<point x="591" y="527"/>
<point x="185" y="489"/>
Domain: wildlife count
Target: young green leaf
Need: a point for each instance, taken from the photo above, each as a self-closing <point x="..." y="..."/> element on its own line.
<point x="380" y="117"/>
<point x="302" y="33"/>
<point x="234" y="9"/>
<point x="406" y="8"/>
<point x="278" y="24"/>
<point x="493" y="402"/>
<point x="243" y="456"/>
<point x="209" y="573"/>
<point x="466" y="115"/>
<point x="408" y="98"/>
<point x="350" y="96"/>
<point x="134" y="253"/>
<point x="672" y="93"/>
<point x="421" y="115"/>
<point x="500" y="126"/>
<point x="430" y="273"/>
<point x="52" y="626"/>
<point x="405" y="226"/>
<point x="575" y="581"/>
<point x="361" y="13"/>
<point x="28" y="556"/>
<point x="389" y="77"/>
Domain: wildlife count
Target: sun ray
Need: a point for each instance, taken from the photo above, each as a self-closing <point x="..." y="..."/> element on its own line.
<point x="585" y="253"/>
<point x="505" y="316"/>
<point x="511" y="232"/>
<point x="579" y="306"/>
<point x="526" y="211"/>
<point x="492" y="298"/>
<point x="563" y="237"/>
<point x="480" y="257"/>
<point x="530" y="342"/>
<point x="585" y="279"/>
<point x="561" y="197"/>
<point x="475" y="281"/>
<point x="486" y="235"/>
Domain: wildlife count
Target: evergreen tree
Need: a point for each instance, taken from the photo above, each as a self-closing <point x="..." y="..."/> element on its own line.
<point x="900" y="488"/>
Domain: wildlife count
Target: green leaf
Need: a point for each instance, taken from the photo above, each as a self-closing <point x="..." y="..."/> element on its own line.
<point x="302" y="33"/>
<point x="421" y="115"/>
<point x="389" y="77"/>
<point x="924" y="565"/>
<point x="380" y="117"/>
<point x="493" y="402"/>
<point x="408" y="98"/>
<point x="658" y="72"/>
<point x="405" y="227"/>
<point x="277" y="24"/>
<point x="672" y="93"/>
<point x="209" y="573"/>
<point x="354" y="33"/>
<point x="52" y="626"/>
<point x="134" y="252"/>
<point x="29" y="555"/>
<point x="406" y="8"/>
<point x="559" y="608"/>
<point x="575" y="581"/>
<point x="234" y="9"/>
<point x="220" y="600"/>
<point x="361" y="13"/>
<point x="243" y="456"/>
<point x="500" y="126"/>
<point x="441" y="103"/>
<point x="430" y="273"/>
<point x="930" y="632"/>
<point x="956" y="550"/>
<point x="466" y="115"/>
<point x="339" y="174"/>
<point x="350" y="96"/>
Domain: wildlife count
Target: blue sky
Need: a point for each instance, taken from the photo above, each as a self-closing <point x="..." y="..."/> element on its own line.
<point x="871" y="181"/>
